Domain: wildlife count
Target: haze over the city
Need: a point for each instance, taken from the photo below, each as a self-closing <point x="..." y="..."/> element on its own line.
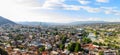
<point x="60" y="11"/>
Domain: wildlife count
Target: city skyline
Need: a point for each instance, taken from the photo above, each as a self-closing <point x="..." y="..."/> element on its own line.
<point x="60" y="11"/>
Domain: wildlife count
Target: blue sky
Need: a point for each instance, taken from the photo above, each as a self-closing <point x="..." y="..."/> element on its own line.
<point x="60" y="11"/>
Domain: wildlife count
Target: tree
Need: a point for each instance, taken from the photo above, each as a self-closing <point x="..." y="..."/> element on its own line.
<point x="64" y="40"/>
<point x="61" y="46"/>
<point x="3" y="52"/>
<point x="19" y="37"/>
<point x="41" y="49"/>
<point x="119" y="52"/>
<point x="74" y="47"/>
<point x="96" y="33"/>
<point x="95" y="43"/>
<point x="71" y="47"/>
<point x="101" y="53"/>
<point x="101" y="44"/>
<point x="86" y="40"/>
<point x="77" y="47"/>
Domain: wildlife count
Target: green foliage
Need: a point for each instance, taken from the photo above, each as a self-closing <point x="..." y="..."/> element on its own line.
<point x="71" y="47"/>
<point x="61" y="46"/>
<point x="110" y="45"/>
<point x="100" y="44"/>
<point x="86" y="40"/>
<point x="96" y="33"/>
<point x="64" y="40"/>
<point x="41" y="49"/>
<point x="95" y="43"/>
<point x="101" y="53"/>
<point x="85" y="34"/>
<point x="3" y="52"/>
<point x="77" y="47"/>
<point x="74" y="47"/>
<point x="119" y="52"/>
<point x="19" y="37"/>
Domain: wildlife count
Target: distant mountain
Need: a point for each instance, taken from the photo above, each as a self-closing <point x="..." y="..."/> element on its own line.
<point x="5" y="21"/>
<point x="39" y="23"/>
<point x="29" y="23"/>
<point x="87" y="22"/>
<point x="72" y="23"/>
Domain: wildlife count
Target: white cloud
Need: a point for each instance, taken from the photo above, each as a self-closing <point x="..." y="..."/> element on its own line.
<point x="53" y="4"/>
<point x="90" y="9"/>
<point x="94" y="19"/>
<point x="110" y="10"/>
<point x="103" y="1"/>
<point x="114" y="20"/>
<point x="84" y="2"/>
<point x="24" y="10"/>
<point x="31" y="3"/>
<point x="71" y="7"/>
<point x="115" y="12"/>
<point x="86" y="8"/>
<point x="19" y="10"/>
<point x="59" y="4"/>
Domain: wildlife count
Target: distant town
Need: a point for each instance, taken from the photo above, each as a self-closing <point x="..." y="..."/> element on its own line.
<point x="59" y="27"/>
<point x="86" y="39"/>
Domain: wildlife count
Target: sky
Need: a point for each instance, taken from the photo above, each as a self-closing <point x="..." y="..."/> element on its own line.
<point x="60" y="11"/>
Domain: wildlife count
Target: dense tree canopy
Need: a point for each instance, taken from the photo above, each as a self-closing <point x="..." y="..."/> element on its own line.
<point x="86" y="40"/>
<point x="74" y="47"/>
<point x="3" y="52"/>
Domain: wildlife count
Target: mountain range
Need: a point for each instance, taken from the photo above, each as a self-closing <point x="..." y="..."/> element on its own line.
<point x="5" y="21"/>
<point x="72" y="23"/>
